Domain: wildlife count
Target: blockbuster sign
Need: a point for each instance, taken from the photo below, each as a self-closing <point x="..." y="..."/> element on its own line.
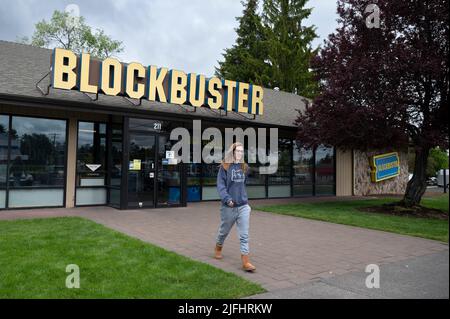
<point x="133" y="80"/>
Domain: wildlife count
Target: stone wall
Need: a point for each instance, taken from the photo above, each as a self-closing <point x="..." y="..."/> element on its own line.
<point x="362" y="182"/>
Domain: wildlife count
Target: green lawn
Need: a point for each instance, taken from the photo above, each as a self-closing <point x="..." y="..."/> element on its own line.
<point x="34" y="254"/>
<point x="346" y="212"/>
<point x="438" y="202"/>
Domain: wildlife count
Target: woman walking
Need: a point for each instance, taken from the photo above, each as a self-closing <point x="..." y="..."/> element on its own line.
<point x="231" y="182"/>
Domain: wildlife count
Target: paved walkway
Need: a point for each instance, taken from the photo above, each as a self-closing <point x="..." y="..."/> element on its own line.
<point x="423" y="277"/>
<point x="287" y="251"/>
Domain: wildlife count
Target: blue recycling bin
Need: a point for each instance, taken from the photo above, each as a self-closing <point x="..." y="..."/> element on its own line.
<point x="174" y="194"/>
<point x="193" y="194"/>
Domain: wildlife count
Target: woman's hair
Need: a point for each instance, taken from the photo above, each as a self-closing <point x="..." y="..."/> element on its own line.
<point x="229" y="157"/>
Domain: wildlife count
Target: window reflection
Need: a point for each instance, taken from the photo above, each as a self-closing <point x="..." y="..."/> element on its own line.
<point x="91" y="155"/>
<point x="4" y="128"/>
<point x="283" y="173"/>
<point x="116" y="154"/>
<point x="303" y="170"/>
<point x="209" y="174"/>
<point x="193" y="182"/>
<point x="169" y="191"/>
<point x="91" y="164"/>
<point x="38" y="152"/>
<point x="324" y="170"/>
<point x="280" y="182"/>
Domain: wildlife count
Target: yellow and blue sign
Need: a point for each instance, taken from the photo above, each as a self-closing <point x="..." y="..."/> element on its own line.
<point x="384" y="166"/>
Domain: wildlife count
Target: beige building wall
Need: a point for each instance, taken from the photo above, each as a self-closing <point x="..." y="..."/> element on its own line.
<point x="344" y="172"/>
<point x="71" y="162"/>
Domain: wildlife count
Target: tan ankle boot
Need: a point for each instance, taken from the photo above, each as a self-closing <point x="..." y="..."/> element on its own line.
<point x="218" y="252"/>
<point x="246" y="265"/>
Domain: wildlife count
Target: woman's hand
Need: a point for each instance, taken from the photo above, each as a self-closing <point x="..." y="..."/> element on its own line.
<point x="230" y="203"/>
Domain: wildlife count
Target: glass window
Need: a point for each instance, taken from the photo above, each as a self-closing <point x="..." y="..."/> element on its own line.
<point x="280" y="181"/>
<point x="169" y="178"/>
<point x="116" y="154"/>
<point x="254" y="178"/>
<point x="303" y="165"/>
<point x="38" y="152"/>
<point x="209" y="181"/>
<point x="193" y="174"/>
<point x="91" y="164"/>
<point x="37" y="159"/>
<point x="114" y="197"/>
<point x="91" y="196"/>
<point x="91" y="155"/>
<point x="4" y="128"/>
<point x="116" y="164"/>
<point x="193" y="182"/>
<point x="324" y="170"/>
<point x="35" y="197"/>
<point x="209" y="193"/>
<point x="209" y="174"/>
<point x="256" y="182"/>
<point x="141" y="172"/>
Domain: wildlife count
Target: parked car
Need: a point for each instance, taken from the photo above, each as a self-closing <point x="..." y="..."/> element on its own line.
<point x="432" y="181"/>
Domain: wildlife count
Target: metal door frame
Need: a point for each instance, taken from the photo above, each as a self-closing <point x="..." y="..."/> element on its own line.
<point x="125" y="169"/>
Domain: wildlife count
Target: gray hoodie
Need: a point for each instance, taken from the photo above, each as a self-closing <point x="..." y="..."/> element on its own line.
<point x="231" y="185"/>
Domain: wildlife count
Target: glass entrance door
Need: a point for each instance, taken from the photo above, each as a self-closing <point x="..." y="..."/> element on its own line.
<point x="154" y="175"/>
<point x="168" y="174"/>
<point x="141" y="170"/>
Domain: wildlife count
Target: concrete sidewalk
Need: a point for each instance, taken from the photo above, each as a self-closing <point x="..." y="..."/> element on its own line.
<point x="287" y="251"/>
<point x="424" y="277"/>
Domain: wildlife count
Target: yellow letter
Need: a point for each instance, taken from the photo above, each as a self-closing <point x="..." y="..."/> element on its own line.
<point x="241" y="96"/>
<point x="228" y="94"/>
<point x="63" y="76"/>
<point x="134" y="89"/>
<point x="110" y="83"/>
<point x="83" y="75"/>
<point x="155" y="80"/>
<point x="214" y="85"/>
<point x="177" y="87"/>
<point x="196" y="89"/>
<point x="255" y="103"/>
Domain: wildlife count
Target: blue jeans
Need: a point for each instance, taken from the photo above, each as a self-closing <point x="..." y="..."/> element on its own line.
<point x="230" y="215"/>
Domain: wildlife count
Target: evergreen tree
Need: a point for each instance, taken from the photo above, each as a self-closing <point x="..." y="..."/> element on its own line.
<point x="289" y="46"/>
<point x="245" y="60"/>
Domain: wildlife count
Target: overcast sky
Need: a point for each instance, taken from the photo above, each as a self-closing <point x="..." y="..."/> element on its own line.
<point x="185" y="35"/>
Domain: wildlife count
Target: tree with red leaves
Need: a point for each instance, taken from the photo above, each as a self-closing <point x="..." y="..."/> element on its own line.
<point x="386" y="85"/>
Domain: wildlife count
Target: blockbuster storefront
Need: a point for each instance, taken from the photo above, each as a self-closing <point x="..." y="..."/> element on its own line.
<point x="62" y="146"/>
